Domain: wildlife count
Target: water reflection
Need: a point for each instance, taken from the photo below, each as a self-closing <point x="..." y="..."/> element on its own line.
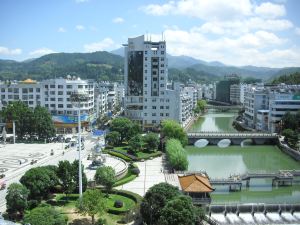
<point x="224" y="143"/>
<point x="201" y="143"/>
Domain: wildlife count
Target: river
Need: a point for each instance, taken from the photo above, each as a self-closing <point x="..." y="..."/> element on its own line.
<point x="223" y="162"/>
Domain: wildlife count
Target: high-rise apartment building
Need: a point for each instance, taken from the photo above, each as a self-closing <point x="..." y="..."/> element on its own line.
<point x="147" y="98"/>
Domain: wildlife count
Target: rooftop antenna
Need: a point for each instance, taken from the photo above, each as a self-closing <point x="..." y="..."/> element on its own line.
<point x="162" y="36"/>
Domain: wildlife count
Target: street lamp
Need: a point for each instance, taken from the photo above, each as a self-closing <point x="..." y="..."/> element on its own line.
<point x="78" y="97"/>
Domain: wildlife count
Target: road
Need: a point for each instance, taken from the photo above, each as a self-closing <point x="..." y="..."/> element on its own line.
<point x="15" y="159"/>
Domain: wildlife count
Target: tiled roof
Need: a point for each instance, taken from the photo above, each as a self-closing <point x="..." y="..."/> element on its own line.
<point x="195" y="183"/>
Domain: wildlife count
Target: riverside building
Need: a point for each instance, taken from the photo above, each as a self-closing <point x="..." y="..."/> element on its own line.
<point x="147" y="98"/>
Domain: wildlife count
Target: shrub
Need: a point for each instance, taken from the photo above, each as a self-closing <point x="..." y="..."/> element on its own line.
<point x="118" y="204"/>
<point x="135" y="171"/>
<point x="101" y="222"/>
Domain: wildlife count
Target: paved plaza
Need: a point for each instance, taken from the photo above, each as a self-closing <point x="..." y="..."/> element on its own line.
<point x="151" y="173"/>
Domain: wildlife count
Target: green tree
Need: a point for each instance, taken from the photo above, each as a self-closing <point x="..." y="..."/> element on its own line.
<point x="113" y="138"/>
<point x="16" y="198"/>
<point x="125" y="127"/>
<point x="154" y="201"/>
<point x="45" y="215"/>
<point x="92" y="203"/>
<point x="289" y="121"/>
<point x="172" y="129"/>
<point x="75" y="174"/>
<point x="39" y="181"/>
<point x="43" y="124"/>
<point x="200" y="107"/>
<point x="65" y="175"/>
<point x="106" y="176"/>
<point x="179" y="211"/>
<point x="151" y="141"/>
<point x="291" y="137"/>
<point x="121" y="125"/>
<point x="22" y="115"/>
<point x="176" y="155"/>
<point x="136" y="143"/>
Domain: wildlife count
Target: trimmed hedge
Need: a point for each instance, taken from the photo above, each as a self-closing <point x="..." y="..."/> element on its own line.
<point x="125" y="180"/>
<point x="133" y="196"/>
<point x="120" y="155"/>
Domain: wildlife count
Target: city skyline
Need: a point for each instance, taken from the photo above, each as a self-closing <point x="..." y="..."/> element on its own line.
<point x="259" y="33"/>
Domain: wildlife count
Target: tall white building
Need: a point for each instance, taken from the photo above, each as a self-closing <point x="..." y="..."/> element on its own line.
<point x="147" y="98"/>
<point x="54" y="94"/>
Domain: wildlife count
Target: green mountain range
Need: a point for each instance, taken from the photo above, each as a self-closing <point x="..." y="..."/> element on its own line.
<point x="110" y="66"/>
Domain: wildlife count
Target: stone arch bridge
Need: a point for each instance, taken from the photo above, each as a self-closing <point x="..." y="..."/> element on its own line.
<point x="235" y="138"/>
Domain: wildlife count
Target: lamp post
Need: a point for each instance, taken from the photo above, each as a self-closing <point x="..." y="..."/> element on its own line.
<point x="77" y="98"/>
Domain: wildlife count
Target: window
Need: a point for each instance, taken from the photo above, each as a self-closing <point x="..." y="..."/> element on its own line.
<point x="162" y="93"/>
<point x="52" y="105"/>
<point x="145" y="58"/>
<point x="145" y="85"/>
<point x="2" y="96"/>
<point x="30" y="102"/>
<point x="46" y="99"/>
<point x="162" y="85"/>
<point x="154" y="100"/>
<point x="38" y="96"/>
<point x="69" y="106"/>
<point x="69" y="92"/>
<point x="11" y="97"/>
<point x="153" y="107"/>
<point x="154" y="72"/>
<point x="145" y="107"/>
<point x="60" y="99"/>
<point x="9" y="90"/>
<point x="167" y="114"/>
<point x="161" y="107"/>
<point x="24" y="90"/>
<point x="153" y="114"/>
<point x="162" y="65"/>
<point x="153" y="121"/>
<point x="52" y="99"/>
<point x="162" y="52"/>
<point x="80" y="86"/>
<point x="167" y="100"/>
<point x="2" y="89"/>
<point x="167" y="107"/>
<point x="162" y="71"/>
<point x="16" y="97"/>
<point x="30" y="96"/>
<point x="46" y="86"/>
<point x="52" y="92"/>
<point x="52" y="86"/>
<point x="161" y="114"/>
<point x="145" y="71"/>
<point x="38" y="90"/>
<point x="145" y="78"/>
<point x="60" y="93"/>
<point x="145" y="92"/>
<point x="46" y="105"/>
<point x="162" y="59"/>
<point x="161" y="78"/>
<point x="60" y="105"/>
<point x="145" y="52"/>
<point x="69" y="86"/>
<point x="145" y="114"/>
<point x="60" y="86"/>
<point x="30" y="90"/>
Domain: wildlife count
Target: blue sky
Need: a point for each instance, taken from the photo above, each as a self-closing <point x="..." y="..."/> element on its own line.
<point x="235" y="32"/>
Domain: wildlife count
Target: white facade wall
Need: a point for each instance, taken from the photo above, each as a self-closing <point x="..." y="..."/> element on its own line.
<point x="147" y="98"/>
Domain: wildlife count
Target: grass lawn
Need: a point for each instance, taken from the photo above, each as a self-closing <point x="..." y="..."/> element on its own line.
<point x="68" y="208"/>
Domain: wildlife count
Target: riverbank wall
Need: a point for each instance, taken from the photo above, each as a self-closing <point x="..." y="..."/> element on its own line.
<point x="286" y="149"/>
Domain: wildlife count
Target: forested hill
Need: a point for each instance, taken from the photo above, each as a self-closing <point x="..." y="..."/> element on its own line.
<point x="293" y="78"/>
<point x="96" y="65"/>
<point x="110" y="67"/>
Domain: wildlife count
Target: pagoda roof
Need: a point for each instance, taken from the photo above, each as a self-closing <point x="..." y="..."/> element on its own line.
<point x="195" y="183"/>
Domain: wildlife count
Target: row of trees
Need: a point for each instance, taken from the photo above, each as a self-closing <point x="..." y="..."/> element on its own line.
<point x="29" y="122"/>
<point x="176" y="155"/>
<point x="164" y="204"/>
<point x="200" y="107"/>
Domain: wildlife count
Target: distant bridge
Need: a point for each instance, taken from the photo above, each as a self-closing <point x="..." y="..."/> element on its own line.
<point x="224" y="107"/>
<point x="235" y="138"/>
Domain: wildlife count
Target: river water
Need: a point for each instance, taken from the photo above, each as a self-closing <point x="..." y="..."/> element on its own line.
<point x="223" y="162"/>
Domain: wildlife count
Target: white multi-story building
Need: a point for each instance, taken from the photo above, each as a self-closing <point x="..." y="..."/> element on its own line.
<point x="256" y="98"/>
<point x="147" y="98"/>
<point x="192" y="93"/>
<point x="54" y="94"/>
<point x="101" y="103"/>
<point x="265" y="106"/>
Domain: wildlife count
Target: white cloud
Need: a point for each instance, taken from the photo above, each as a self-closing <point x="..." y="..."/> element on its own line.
<point x="204" y="9"/>
<point x="105" y="44"/>
<point x="79" y="27"/>
<point x="118" y="20"/>
<point x="297" y="30"/>
<point x="270" y="10"/>
<point x="41" y="51"/>
<point x="7" y="51"/>
<point x="62" y="30"/>
<point x="239" y="27"/>
<point x="248" y="49"/>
